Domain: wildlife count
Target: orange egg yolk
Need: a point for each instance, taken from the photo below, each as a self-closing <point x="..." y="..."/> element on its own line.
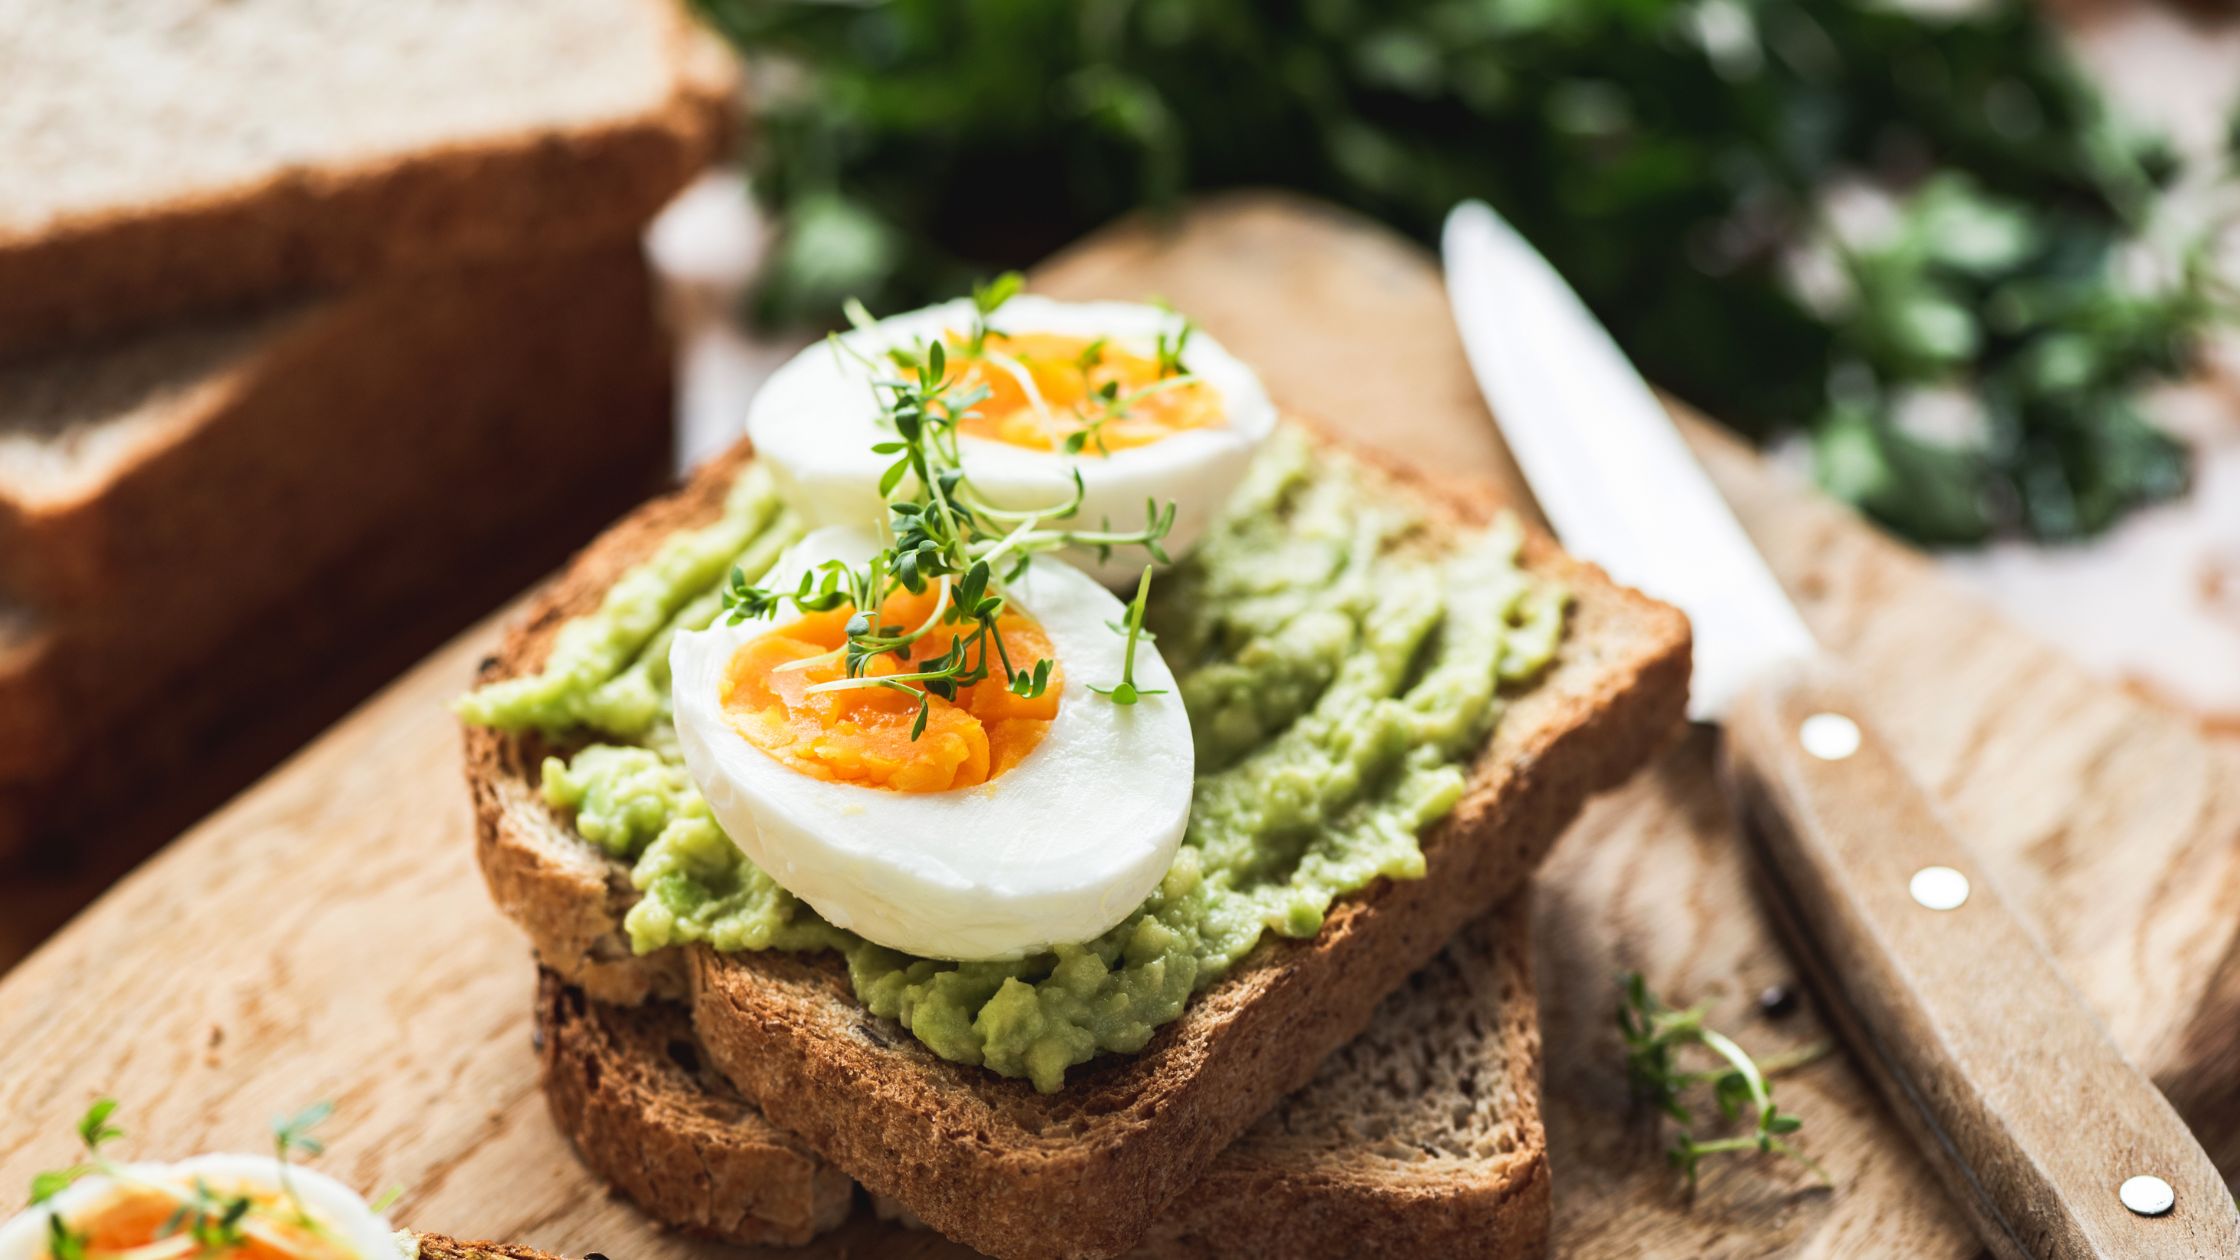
<point x="1113" y="398"/>
<point x="862" y="734"/>
<point x="138" y="1216"/>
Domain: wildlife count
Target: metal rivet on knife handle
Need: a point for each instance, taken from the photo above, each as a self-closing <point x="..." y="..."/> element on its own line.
<point x="2148" y="1196"/>
<point x="1829" y="736"/>
<point x="1939" y="888"/>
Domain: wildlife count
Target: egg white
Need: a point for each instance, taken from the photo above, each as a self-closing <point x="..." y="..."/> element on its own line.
<point x="1054" y="851"/>
<point x="818" y="417"/>
<point x="336" y="1207"/>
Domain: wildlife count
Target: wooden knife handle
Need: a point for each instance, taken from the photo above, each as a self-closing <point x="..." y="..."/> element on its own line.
<point x="2007" y="1080"/>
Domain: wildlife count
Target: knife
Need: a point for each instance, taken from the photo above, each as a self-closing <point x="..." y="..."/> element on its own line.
<point x="2051" y="1143"/>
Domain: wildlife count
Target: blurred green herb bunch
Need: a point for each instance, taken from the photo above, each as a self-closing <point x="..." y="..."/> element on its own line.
<point x="1919" y="237"/>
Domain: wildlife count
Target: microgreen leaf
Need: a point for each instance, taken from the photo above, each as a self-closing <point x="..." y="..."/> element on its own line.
<point x="94" y="1131"/>
<point x="94" y="1128"/>
<point x="745" y="602"/>
<point x="988" y="298"/>
<point x="293" y="1134"/>
<point x="1169" y="348"/>
<point x="63" y="1242"/>
<point x="1125" y="691"/>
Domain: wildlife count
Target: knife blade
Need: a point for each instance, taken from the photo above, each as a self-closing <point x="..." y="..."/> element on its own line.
<point x="2051" y="1143"/>
<point x="1608" y="468"/>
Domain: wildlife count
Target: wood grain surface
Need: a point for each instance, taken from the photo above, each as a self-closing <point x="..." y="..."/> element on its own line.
<point x="326" y="935"/>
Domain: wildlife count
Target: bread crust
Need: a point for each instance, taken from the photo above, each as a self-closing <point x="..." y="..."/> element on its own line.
<point x="288" y="504"/>
<point x="567" y="895"/>
<point x="302" y="229"/>
<point x="1084" y="1172"/>
<point x="630" y="1089"/>
<point x="1308" y="1182"/>
<point x="445" y="1247"/>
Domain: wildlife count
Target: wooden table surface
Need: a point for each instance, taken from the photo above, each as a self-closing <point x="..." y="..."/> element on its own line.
<point x="326" y="935"/>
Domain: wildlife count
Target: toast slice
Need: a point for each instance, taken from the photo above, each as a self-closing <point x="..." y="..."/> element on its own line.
<point x="1086" y="1171"/>
<point x="172" y="156"/>
<point x="199" y="456"/>
<point x="212" y="518"/>
<point x="1420" y="1137"/>
<point x="650" y="1115"/>
<point x="444" y="1247"/>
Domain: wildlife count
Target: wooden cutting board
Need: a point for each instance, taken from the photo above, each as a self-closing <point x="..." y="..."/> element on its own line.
<point x="327" y="936"/>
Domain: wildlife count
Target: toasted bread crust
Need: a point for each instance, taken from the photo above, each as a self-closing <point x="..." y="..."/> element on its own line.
<point x="1289" y="1187"/>
<point x="301" y="230"/>
<point x="236" y="563"/>
<point x="630" y="1089"/>
<point x="1084" y="1172"/>
<point x="444" y="1247"/>
<point x="568" y="896"/>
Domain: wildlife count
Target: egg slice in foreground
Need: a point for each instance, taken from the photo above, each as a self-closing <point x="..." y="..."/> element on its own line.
<point x="1184" y="441"/>
<point x="135" y="1210"/>
<point x="1060" y="832"/>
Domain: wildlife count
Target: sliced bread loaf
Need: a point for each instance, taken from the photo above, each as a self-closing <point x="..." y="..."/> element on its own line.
<point x="168" y="156"/>
<point x="1087" y="1171"/>
<point x="209" y="455"/>
<point x="1421" y="1137"/>
<point x="211" y="520"/>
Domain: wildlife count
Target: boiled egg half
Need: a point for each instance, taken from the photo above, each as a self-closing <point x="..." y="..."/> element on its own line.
<point x="1007" y="825"/>
<point x="1071" y="386"/>
<point x="135" y="1210"/>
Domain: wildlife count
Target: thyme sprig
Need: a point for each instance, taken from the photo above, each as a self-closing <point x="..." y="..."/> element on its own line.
<point x="1655" y="1035"/>
<point x="941" y="533"/>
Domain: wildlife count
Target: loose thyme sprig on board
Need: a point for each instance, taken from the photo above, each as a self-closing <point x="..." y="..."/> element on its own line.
<point x="1655" y="1034"/>
<point x="944" y="536"/>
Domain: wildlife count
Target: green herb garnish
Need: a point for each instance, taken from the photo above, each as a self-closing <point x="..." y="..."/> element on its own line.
<point x="63" y="1242"/>
<point x="94" y="1132"/>
<point x="1169" y="350"/>
<point x="215" y="1223"/>
<point x="942" y="536"/>
<point x="1655" y="1036"/>
<point x="292" y="1134"/>
<point x="1126" y="691"/>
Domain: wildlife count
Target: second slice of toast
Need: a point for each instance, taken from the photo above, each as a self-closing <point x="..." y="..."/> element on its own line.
<point x="1420" y="1137"/>
<point x="1089" y="1170"/>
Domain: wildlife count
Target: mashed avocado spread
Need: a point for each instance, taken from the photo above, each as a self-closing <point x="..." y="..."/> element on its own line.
<point x="1340" y="671"/>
